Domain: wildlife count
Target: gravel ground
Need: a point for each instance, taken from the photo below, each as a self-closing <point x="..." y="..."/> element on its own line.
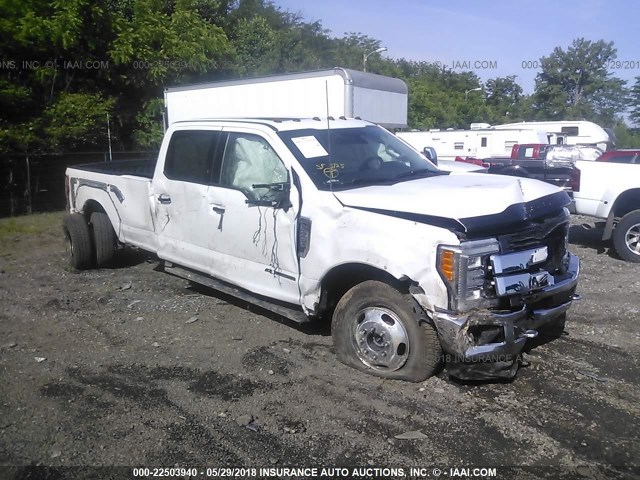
<point x="130" y="366"/>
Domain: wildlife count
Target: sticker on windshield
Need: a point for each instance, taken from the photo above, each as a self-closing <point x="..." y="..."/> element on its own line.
<point x="310" y="147"/>
<point x="330" y="170"/>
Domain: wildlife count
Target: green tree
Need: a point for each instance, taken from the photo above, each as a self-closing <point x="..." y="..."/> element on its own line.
<point x="635" y="102"/>
<point x="160" y="41"/>
<point x="133" y="48"/>
<point x="78" y="120"/>
<point x="504" y="99"/>
<point x="626" y="137"/>
<point x="267" y="40"/>
<point x="576" y="84"/>
<point x="439" y="97"/>
<point x="149" y="131"/>
<point x="255" y="43"/>
<point x="349" y="52"/>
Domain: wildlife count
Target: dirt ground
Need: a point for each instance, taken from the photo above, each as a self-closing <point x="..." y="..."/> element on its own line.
<point x="130" y="366"/>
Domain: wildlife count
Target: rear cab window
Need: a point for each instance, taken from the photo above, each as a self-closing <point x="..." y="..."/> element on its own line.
<point x="190" y="156"/>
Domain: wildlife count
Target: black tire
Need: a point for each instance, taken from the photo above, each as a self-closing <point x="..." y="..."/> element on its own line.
<point x="626" y="237"/>
<point x="104" y="239"/>
<point x="415" y="353"/>
<point x="78" y="238"/>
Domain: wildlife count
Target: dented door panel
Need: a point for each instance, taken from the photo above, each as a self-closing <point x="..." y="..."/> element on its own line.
<point x="183" y="219"/>
<point x="254" y="245"/>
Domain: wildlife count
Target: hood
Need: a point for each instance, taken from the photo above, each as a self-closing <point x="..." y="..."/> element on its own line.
<point x="470" y="204"/>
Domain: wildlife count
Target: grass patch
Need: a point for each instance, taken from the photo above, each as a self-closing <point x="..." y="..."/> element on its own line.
<point x="29" y="236"/>
<point x="29" y="225"/>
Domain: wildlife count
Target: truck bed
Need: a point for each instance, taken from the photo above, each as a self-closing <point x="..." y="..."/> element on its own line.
<point x="138" y="168"/>
<point x="122" y="189"/>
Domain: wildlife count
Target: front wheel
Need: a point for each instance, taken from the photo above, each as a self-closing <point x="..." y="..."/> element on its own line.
<point x="626" y="237"/>
<point x="376" y="329"/>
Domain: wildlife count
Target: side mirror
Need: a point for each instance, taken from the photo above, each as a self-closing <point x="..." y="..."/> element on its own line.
<point x="431" y="154"/>
<point x="283" y="198"/>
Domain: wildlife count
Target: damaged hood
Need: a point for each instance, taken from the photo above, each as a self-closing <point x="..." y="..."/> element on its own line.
<point x="467" y="203"/>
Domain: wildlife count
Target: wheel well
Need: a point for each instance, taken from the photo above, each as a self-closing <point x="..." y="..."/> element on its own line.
<point x="342" y="278"/>
<point x="626" y="202"/>
<point x="90" y="207"/>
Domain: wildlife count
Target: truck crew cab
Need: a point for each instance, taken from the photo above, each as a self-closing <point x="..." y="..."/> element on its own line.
<point x="338" y="219"/>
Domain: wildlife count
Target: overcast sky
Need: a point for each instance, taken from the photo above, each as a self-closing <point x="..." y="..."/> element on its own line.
<point x="496" y="38"/>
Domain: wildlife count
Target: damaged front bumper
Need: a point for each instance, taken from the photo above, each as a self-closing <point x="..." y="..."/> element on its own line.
<point x="484" y="343"/>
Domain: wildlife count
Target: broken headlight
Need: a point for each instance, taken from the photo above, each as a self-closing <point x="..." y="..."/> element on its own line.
<point x="464" y="270"/>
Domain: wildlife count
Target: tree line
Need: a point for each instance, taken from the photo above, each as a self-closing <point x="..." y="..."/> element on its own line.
<point x="67" y="65"/>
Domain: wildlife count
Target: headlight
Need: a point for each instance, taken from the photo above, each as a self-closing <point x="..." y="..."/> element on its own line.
<point x="464" y="270"/>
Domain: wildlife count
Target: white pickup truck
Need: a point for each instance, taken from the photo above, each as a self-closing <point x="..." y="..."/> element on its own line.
<point x="341" y="220"/>
<point x="611" y="191"/>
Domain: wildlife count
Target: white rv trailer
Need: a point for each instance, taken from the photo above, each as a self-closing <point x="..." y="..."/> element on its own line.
<point x="577" y="132"/>
<point x="337" y="92"/>
<point x="482" y="141"/>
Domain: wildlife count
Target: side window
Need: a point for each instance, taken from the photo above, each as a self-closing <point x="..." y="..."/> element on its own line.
<point x="189" y="156"/>
<point x="483" y="141"/>
<point x="570" y="131"/>
<point x="249" y="160"/>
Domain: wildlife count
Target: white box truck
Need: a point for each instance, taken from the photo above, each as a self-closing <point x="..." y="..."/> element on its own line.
<point x="338" y="92"/>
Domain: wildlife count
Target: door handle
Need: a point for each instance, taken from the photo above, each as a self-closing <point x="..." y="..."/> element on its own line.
<point x="219" y="209"/>
<point x="164" y="198"/>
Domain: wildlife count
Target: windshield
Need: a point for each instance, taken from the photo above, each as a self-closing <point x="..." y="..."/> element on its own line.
<point x="359" y="156"/>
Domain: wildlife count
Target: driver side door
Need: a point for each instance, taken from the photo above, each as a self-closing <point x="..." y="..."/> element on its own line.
<point x="255" y="235"/>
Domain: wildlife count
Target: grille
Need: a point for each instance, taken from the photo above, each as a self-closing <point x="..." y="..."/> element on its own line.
<point x="552" y="234"/>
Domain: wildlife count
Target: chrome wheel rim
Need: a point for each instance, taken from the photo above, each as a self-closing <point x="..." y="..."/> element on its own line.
<point x="632" y="239"/>
<point x="380" y="339"/>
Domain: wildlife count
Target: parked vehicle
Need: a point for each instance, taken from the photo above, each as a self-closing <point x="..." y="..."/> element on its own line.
<point x="548" y="163"/>
<point x="621" y="156"/>
<point x="556" y="153"/>
<point x="611" y="191"/>
<point x="570" y="133"/>
<point x="338" y="219"/>
<point x="450" y="166"/>
<point x="482" y="141"/>
<point x="338" y="92"/>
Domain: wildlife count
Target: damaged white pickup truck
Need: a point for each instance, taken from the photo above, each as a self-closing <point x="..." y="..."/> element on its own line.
<point x="339" y="219"/>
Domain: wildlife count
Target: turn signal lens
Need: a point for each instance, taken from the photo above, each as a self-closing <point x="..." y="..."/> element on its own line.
<point x="447" y="264"/>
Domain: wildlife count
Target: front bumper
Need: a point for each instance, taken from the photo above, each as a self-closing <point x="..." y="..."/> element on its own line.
<point x="511" y="329"/>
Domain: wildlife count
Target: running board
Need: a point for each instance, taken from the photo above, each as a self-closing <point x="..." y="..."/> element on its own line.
<point x="283" y="310"/>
